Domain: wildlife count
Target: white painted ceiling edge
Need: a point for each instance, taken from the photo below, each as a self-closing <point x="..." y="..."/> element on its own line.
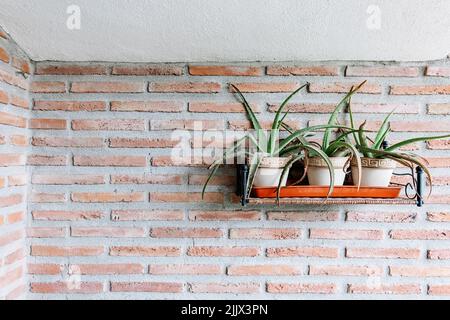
<point x="231" y="30"/>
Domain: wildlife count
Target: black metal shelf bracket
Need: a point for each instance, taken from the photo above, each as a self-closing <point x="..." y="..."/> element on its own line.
<point x="241" y="183"/>
<point x="420" y="186"/>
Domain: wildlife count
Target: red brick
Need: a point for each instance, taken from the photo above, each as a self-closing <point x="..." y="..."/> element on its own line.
<point x="218" y="287"/>
<point x="420" y="271"/>
<point x="141" y="251"/>
<point x="11" y="237"/>
<point x="147" y="215"/>
<point x="215" y="251"/>
<point x="185" y="269"/>
<point x="18" y="292"/>
<point x="109" y="124"/>
<point x="3" y="35"/>
<point x="384" y="289"/>
<point x="148" y="70"/>
<point x="70" y="69"/>
<point x="319" y="252"/>
<point x="383" y="253"/>
<point x="439" y="289"/>
<point x="438" y="145"/>
<point x="302" y="216"/>
<point x="380" y="216"/>
<point x="10" y="200"/>
<point x="142" y="143"/>
<point x="220" y="107"/>
<point x="439" y="199"/>
<point x="146" y="179"/>
<point x="11" y="276"/>
<point x="12" y="159"/>
<point x="19" y="140"/>
<point x="173" y="197"/>
<point x="21" y="64"/>
<point x="263" y="270"/>
<point x="397" y="108"/>
<point x="255" y="87"/>
<point x="45" y="160"/>
<point x="382" y="71"/>
<point x="109" y="269"/>
<point x="45" y="269"/>
<point x="420" y="234"/>
<point x="265" y="234"/>
<point x="304" y="107"/>
<point x="343" y="87"/>
<point x="48" y="87"/>
<point x="345" y="270"/>
<point x="172" y="232"/>
<point x="9" y="119"/>
<point x="4" y="55"/>
<point x="438" y="254"/>
<point x="2" y="182"/>
<point x="345" y="234"/>
<point x="436" y="71"/>
<point x="110" y="161"/>
<point x="245" y="124"/>
<point x="46" y="232"/>
<point x="186" y="124"/>
<point x="147" y="106"/>
<point x="222" y="180"/>
<point x="14" y="80"/>
<point x="45" y="197"/>
<point x="4" y="98"/>
<point x="50" y="124"/>
<point x="106" y="87"/>
<point x="66" y="287"/>
<point x="320" y="288"/>
<point x="215" y="70"/>
<point x="419" y="90"/>
<point x="199" y="215"/>
<point x="439" y="108"/>
<point x="77" y="179"/>
<point x="44" y="105"/>
<point x="170" y="287"/>
<point x="438" y="216"/>
<point x="19" y="102"/>
<point x="70" y="142"/>
<point x="108" y="232"/>
<point x="173" y="161"/>
<point x="16" y="217"/>
<point x="105" y="197"/>
<point x="185" y="87"/>
<point x="302" y="71"/>
<point x="438" y="162"/>
<point x="66" y="251"/>
<point x="59" y="215"/>
<point x="15" y="256"/>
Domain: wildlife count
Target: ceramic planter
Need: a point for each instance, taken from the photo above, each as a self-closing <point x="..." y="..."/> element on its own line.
<point x="319" y="174"/>
<point x="269" y="172"/>
<point x="374" y="172"/>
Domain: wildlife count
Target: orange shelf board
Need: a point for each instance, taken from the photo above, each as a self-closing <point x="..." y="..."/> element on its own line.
<point x="331" y="201"/>
<point x="322" y="192"/>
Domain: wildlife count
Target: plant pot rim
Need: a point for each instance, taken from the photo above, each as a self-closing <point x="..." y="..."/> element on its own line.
<point x="381" y="163"/>
<point x="272" y="161"/>
<point x="337" y="162"/>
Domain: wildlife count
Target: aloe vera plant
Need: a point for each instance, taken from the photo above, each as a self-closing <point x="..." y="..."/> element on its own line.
<point x="270" y="145"/>
<point x="374" y="148"/>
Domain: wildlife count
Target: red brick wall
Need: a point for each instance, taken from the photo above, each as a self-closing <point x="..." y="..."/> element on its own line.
<point x="14" y="113"/>
<point x="111" y="211"/>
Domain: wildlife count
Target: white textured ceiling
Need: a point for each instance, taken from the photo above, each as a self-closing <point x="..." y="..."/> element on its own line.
<point x="229" y="30"/>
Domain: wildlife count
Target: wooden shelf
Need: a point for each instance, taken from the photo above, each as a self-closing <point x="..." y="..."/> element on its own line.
<point x="324" y="201"/>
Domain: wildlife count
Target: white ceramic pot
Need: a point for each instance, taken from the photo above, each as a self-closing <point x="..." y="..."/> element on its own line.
<point x="319" y="174"/>
<point x="374" y="172"/>
<point x="269" y="172"/>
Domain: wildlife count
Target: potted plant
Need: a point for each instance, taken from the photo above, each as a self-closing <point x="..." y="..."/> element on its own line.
<point x="271" y="157"/>
<point x="378" y="163"/>
<point x="339" y="151"/>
